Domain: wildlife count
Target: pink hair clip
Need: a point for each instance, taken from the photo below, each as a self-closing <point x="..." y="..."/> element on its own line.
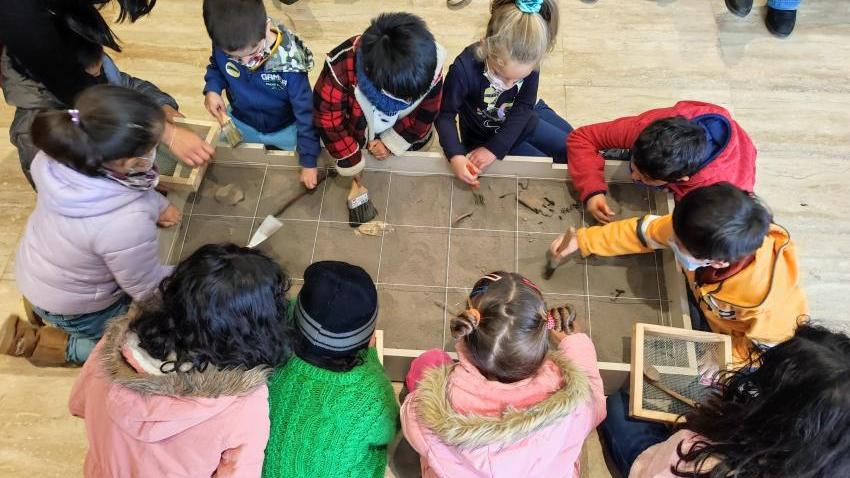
<point x="75" y="116"/>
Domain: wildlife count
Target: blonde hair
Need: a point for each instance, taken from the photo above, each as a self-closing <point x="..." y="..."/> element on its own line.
<point x="514" y="35"/>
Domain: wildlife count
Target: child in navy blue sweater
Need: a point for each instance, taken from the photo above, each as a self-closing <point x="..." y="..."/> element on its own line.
<point x="492" y="87"/>
<point x="263" y="67"/>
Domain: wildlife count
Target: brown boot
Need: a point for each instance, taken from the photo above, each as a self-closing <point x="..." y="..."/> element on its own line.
<point x="17" y="337"/>
<point x="50" y="347"/>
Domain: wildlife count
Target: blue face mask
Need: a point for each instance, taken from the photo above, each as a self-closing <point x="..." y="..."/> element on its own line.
<point x="687" y="261"/>
<point x="641" y="183"/>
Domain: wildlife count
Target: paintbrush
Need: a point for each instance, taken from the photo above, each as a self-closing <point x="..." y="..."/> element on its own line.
<point x="360" y="207"/>
<point x="231" y="133"/>
<point x="555" y="260"/>
<point x="477" y="197"/>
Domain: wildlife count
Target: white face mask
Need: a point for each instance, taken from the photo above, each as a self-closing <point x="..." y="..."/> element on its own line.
<point x="495" y="81"/>
<point x="687" y="261"/>
<point x="145" y="165"/>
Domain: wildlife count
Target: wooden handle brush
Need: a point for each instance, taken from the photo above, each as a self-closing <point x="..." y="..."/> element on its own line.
<point x="554" y="260"/>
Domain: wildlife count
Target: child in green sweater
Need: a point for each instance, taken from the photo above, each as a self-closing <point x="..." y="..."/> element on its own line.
<point x="332" y="407"/>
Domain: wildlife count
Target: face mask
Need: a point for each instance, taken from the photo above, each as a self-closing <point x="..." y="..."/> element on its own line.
<point x="641" y="183"/>
<point x="142" y="177"/>
<point x="256" y="59"/>
<point x="145" y="165"/>
<point x="495" y="81"/>
<point x="687" y="261"/>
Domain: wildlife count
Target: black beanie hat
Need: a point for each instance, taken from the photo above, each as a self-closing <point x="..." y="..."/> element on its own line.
<point x="337" y="308"/>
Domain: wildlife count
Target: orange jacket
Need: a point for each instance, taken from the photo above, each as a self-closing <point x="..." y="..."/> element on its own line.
<point x="757" y="306"/>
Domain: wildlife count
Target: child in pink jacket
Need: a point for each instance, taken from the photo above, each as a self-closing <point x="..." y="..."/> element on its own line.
<point x="178" y="388"/>
<point x="509" y="407"/>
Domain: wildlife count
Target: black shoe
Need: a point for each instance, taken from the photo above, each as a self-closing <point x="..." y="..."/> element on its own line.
<point x="780" y="22"/>
<point x="740" y="8"/>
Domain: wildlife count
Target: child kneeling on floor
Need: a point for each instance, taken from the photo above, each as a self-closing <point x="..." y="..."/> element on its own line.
<point x="510" y="407"/>
<point x="263" y="68"/>
<point x="90" y="245"/>
<point x="178" y="388"/>
<point x="492" y="88"/>
<point x="333" y="411"/>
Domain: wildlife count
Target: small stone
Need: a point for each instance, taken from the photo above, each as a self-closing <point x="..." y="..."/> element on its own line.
<point x="229" y="194"/>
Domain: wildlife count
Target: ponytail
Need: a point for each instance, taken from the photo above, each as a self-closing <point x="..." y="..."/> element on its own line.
<point x="109" y="123"/>
<point x="520" y="30"/>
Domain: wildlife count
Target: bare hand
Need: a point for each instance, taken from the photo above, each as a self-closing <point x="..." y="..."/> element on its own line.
<point x="379" y="149"/>
<point x="171" y="113"/>
<point x="187" y="146"/>
<point x="597" y="206"/>
<point x="215" y="105"/>
<point x="562" y="251"/>
<point x="169" y="217"/>
<point x="481" y="157"/>
<point x="465" y="170"/>
<point x="309" y="177"/>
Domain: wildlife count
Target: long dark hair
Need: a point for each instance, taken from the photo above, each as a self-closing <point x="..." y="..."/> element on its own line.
<point x="83" y="17"/>
<point x="223" y="306"/>
<point x="112" y="123"/>
<point x="786" y="415"/>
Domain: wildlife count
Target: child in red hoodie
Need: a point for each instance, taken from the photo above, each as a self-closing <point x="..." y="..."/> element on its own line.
<point x="681" y="148"/>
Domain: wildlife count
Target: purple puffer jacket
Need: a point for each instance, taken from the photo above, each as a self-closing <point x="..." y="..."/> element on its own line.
<point x="87" y="240"/>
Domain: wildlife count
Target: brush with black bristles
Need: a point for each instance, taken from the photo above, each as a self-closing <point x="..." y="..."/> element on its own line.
<point x="360" y="207"/>
<point x="554" y="260"/>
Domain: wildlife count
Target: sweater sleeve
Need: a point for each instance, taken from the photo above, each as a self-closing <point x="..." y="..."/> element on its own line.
<point x="586" y="165"/>
<point x="454" y="93"/>
<point x="379" y="422"/>
<point x="213" y="79"/>
<point x="331" y="118"/>
<point x="301" y="97"/>
<point x="28" y="31"/>
<point x="629" y="236"/>
<point x="579" y="349"/>
<point x="143" y="86"/>
<point x="415" y="126"/>
<point x="517" y="118"/>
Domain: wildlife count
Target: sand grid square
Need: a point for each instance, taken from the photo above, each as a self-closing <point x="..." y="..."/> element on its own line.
<point x="425" y="266"/>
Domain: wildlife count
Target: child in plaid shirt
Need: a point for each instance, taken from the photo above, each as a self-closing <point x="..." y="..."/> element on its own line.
<point x="380" y="91"/>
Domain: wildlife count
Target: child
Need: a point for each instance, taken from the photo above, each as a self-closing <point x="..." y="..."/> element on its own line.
<point x="741" y="269"/>
<point x="510" y="407"/>
<point x="31" y="96"/>
<point x="179" y="387"/>
<point x="786" y="414"/>
<point x="263" y="67"/>
<point x="681" y="148"/>
<point x="380" y="90"/>
<point x="90" y="245"/>
<point x="333" y="412"/>
<point x="492" y="87"/>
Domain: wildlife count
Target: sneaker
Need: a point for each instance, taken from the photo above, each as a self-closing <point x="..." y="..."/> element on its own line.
<point x="17" y="337"/>
<point x="457" y="3"/>
<point x="740" y="8"/>
<point x="780" y="22"/>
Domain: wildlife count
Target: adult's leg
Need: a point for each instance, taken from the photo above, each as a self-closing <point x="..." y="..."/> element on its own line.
<point x="625" y="438"/>
<point x="19" y="135"/>
<point x="84" y="330"/>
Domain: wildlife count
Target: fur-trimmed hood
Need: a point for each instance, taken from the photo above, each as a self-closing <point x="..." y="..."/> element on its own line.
<point x="470" y="431"/>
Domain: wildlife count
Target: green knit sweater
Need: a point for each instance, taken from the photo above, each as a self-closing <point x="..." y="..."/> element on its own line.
<point x="329" y="424"/>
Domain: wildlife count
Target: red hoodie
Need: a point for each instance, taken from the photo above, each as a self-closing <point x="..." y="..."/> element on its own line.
<point x="733" y="157"/>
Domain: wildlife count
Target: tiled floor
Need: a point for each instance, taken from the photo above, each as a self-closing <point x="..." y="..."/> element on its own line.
<point x="430" y="258"/>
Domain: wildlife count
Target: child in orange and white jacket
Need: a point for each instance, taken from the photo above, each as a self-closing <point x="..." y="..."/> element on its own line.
<point x="741" y="269"/>
<point x="510" y="407"/>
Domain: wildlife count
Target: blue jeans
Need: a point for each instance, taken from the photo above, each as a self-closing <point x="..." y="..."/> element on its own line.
<point x="84" y="330"/>
<point x="285" y="139"/>
<point x="625" y="438"/>
<point x="784" y="4"/>
<point x="549" y="138"/>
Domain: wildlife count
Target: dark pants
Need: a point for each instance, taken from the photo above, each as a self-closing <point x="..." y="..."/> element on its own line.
<point x="548" y="139"/>
<point x="625" y="438"/>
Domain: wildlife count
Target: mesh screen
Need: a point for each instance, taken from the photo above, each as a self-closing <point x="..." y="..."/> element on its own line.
<point x="167" y="163"/>
<point x="681" y="365"/>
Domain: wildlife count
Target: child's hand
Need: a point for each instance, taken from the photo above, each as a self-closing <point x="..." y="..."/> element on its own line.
<point x="171" y="113"/>
<point x="169" y="217"/>
<point x="379" y="149"/>
<point x="597" y="206"/>
<point x="481" y="157"/>
<point x="215" y="105"/>
<point x="309" y="177"/>
<point x="465" y="170"/>
<point x="187" y="146"/>
<point x="565" y="249"/>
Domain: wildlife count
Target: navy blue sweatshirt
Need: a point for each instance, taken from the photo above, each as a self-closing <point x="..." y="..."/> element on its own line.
<point x="496" y="122"/>
<point x="272" y="97"/>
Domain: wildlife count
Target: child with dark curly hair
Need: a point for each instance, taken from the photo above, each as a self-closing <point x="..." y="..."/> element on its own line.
<point x="179" y="386"/>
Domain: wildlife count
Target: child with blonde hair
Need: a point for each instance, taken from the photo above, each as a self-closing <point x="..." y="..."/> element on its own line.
<point x="492" y="88"/>
<point x="510" y="407"/>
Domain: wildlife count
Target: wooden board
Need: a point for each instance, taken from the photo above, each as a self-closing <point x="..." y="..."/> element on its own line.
<point x="174" y="175"/>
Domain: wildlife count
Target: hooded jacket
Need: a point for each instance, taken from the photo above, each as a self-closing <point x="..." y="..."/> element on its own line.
<point x="730" y="155"/>
<point x="196" y="424"/>
<point x="463" y="425"/>
<point x="87" y="242"/>
<point x="758" y="306"/>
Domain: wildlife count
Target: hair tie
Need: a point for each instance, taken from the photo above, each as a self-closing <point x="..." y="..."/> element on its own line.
<point x="529" y="6"/>
<point x="550" y="321"/>
<point x="75" y="116"/>
<point x="475" y="314"/>
<point x="531" y="284"/>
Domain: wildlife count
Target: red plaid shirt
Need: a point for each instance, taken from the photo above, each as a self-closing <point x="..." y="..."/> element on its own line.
<point x="339" y="118"/>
